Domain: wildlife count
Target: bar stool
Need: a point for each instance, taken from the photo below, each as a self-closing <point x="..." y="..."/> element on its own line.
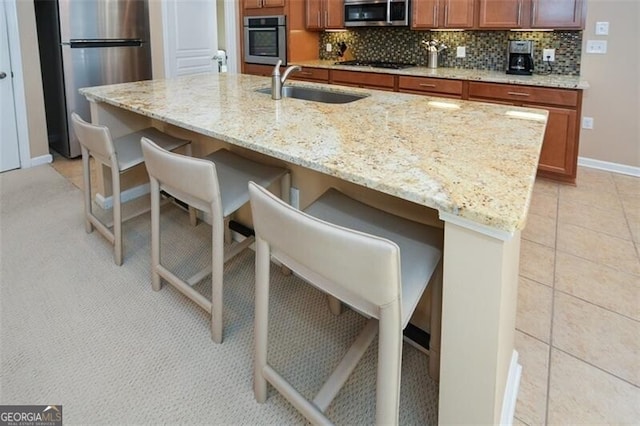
<point x="217" y="185"/>
<point x="119" y="155"/>
<point x="375" y="262"/>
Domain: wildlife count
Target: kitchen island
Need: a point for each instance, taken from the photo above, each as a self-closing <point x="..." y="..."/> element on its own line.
<point x="472" y="165"/>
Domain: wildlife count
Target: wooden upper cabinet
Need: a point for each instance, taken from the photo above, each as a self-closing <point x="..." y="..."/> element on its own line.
<point x="442" y="14"/>
<point x="501" y="14"/>
<point x="259" y="4"/>
<point x="324" y="14"/>
<point x="561" y="14"/>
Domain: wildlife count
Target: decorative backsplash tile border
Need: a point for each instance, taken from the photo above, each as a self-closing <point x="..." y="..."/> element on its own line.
<point x="485" y="50"/>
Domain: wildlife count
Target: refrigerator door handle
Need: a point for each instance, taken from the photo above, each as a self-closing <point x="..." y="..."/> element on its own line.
<point x="83" y="43"/>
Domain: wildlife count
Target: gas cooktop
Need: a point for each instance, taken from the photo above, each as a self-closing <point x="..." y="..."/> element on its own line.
<point x="377" y="64"/>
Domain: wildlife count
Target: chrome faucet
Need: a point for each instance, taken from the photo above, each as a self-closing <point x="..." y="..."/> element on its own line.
<point x="277" y="82"/>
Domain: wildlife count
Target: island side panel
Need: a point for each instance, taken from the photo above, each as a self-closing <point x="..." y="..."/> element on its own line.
<point x="478" y="324"/>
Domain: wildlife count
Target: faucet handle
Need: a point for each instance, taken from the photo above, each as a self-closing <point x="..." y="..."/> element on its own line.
<point x="276" y="69"/>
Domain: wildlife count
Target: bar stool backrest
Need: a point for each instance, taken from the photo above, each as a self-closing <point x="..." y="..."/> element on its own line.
<point x="95" y="138"/>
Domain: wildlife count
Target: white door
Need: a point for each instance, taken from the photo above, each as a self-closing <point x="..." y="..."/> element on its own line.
<point x="190" y="37"/>
<point x="9" y="150"/>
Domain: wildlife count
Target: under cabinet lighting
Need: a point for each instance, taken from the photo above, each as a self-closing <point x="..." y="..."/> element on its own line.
<point x="531" y="29"/>
<point x="526" y="115"/>
<point x="446" y="105"/>
<point x="446" y="29"/>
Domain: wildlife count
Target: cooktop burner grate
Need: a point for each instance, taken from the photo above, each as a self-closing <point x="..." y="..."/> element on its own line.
<point x="377" y="64"/>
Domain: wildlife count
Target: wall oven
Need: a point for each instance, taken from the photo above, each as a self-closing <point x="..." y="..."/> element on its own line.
<point x="374" y="13"/>
<point x="265" y="39"/>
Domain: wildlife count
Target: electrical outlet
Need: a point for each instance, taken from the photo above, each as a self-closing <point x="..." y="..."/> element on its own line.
<point x="602" y="28"/>
<point x="597" y="46"/>
<point x="587" y="122"/>
<point x="329" y="47"/>
<point x="549" y="55"/>
<point x="294" y="199"/>
<point x="461" y="52"/>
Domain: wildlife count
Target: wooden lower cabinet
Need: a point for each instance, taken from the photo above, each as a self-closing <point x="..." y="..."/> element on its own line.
<point x="431" y="86"/>
<point x="317" y="75"/>
<point x="369" y="80"/>
<point x="559" y="151"/>
<point x="559" y="155"/>
<point x="257" y="69"/>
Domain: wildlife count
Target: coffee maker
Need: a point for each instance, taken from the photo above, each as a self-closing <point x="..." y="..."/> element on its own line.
<point x="520" y="57"/>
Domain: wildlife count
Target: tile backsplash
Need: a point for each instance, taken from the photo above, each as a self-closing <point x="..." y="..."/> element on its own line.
<point x="486" y="50"/>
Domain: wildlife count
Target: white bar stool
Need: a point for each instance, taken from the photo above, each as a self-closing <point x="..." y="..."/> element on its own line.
<point x="377" y="263"/>
<point x="119" y="155"/>
<point x="217" y="185"/>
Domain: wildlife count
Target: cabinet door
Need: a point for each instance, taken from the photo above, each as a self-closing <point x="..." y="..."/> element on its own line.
<point x="500" y="14"/>
<point x="334" y="14"/>
<point x="458" y="13"/>
<point x="424" y="14"/>
<point x="252" y="4"/>
<point x="273" y="3"/>
<point x="313" y="14"/>
<point x="558" y="154"/>
<point x="567" y="14"/>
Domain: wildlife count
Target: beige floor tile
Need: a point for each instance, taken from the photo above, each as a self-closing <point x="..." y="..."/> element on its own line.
<point x="595" y="180"/>
<point x="533" y="355"/>
<point x="605" y="199"/>
<point x="545" y="186"/>
<point x="598" y="336"/>
<point x="518" y="422"/>
<point x="544" y="204"/>
<point x="537" y="262"/>
<point x="611" y="222"/>
<point x="534" y="309"/>
<point x="598" y="284"/>
<point x="631" y="205"/>
<point x="598" y="247"/>
<point x="581" y="394"/>
<point x="627" y="184"/>
<point x="541" y="230"/>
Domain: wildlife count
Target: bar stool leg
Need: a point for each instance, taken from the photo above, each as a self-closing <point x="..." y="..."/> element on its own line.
<point x="217" y="276"/>
<point x="261" y="320"/>
<point x="86" y="177"/>
<point x="117" y="213"/>
<point x="193" y="213"/>
<point x="156" y="283"/>
<point x="389" y="362"/>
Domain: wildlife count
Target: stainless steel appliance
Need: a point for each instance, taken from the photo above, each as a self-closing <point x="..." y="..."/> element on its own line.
<point x="520" y="57"/>
<point x="265" y="39"/>
<point x="87" y="43"/>
<point x="375" y="13"/>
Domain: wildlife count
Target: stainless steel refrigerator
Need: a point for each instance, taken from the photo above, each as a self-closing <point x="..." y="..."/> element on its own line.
<point x="87" y="43"/>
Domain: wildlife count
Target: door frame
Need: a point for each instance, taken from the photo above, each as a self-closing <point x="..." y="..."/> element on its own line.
<point x="19" y="95"/>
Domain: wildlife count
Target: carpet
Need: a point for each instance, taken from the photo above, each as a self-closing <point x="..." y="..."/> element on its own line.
<point x="77" y="330"/>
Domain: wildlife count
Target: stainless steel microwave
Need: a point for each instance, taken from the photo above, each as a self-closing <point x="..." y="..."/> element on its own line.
<point x="376" y="13"/>
<point x="265" y="39"/>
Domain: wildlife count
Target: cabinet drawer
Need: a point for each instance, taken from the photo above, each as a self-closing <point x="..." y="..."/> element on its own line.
<point x="362" y="79"/>
<point x="258" y="69"/>
<point x="520" y="94"/>
<point x="432" y="85"/>
<point x="311" y="74"/>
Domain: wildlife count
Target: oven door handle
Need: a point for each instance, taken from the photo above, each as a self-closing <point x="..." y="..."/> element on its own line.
<point x="261" y="29"/>
<point x="389" y="12"/>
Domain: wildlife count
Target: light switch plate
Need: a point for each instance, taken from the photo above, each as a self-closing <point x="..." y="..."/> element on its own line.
<point x="329" y="47"/>
<point x="461" y="52"/>
<point x="587" y="122"/>
<point x="602" y="28"/>
<point x="597" y="46"/>
<point x="549" y="55"/>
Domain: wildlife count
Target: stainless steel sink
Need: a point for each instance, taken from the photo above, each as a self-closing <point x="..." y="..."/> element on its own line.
<point x="316" y="95"/>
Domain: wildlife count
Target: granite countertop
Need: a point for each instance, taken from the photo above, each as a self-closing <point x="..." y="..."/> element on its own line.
<point x="550" y="80"/>
<point x="474" y="160"/>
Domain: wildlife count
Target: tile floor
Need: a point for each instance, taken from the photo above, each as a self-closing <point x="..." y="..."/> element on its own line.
<point x="578" y="324"/>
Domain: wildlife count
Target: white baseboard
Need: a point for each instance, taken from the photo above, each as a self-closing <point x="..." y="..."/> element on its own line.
<point x="126" y="195"/>
<point x="38" y="161"/>
<point x="609" y="167"/>
<point x="511" y="391"/>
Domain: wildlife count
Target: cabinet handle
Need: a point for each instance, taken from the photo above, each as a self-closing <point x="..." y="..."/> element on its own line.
<point x="326" y="18"/>
<point x="518" y="94"/>
<point x="534" y="7"/>
<point x="259" y="3"/>
<point x="446" y="14"/>
<point x="305" y="73"/>
<point x="319" y="24"/>
<point x="435" y="14"/>
<point x="519" y="11"/>
<point x="426" y="85"/>
<point x="575" y="9"/>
